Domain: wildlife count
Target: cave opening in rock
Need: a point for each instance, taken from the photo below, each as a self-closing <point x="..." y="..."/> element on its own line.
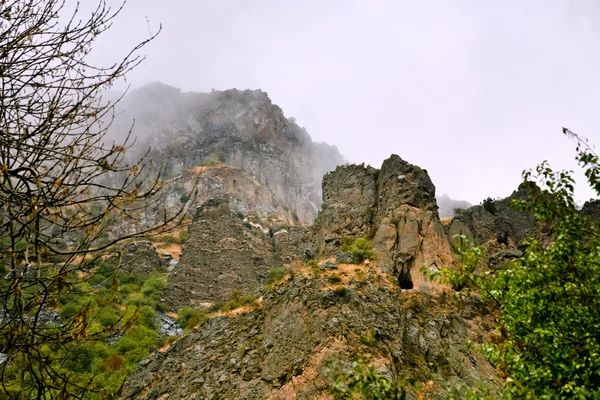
<point x="405" y="280"/>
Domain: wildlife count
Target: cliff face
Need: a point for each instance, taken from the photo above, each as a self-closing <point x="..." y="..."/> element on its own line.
<point x="243" y="129"/>
<point x="395" y="206"/>
<point x="310" y="325"/>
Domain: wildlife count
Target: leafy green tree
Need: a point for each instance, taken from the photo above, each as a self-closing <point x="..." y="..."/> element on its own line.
<point x="549" y="300"/>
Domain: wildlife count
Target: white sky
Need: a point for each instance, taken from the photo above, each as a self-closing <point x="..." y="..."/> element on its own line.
<point x="473" y="91"/>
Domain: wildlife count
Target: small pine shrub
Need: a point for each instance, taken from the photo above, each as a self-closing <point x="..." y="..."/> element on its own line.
<point x="211" y="160"/>
<point x="360" y="249"/>
<point x="275" y="274"/>
<point x="190" y="317"/>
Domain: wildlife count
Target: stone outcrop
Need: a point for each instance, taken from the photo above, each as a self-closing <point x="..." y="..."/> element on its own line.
<point x="243" y="129"/>
<point x="223" y="252"/>
<point x="306" y="333"/>
<point x="140" y="258"/>
<point x="395" y="206"/>
<point x="496" y="221"/>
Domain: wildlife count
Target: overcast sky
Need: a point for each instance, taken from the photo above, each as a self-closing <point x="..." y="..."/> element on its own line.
<point x="473" y="91"/>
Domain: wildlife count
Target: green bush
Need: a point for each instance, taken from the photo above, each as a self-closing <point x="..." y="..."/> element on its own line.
<point x="68" y="311"/>
<point x="239" y="299"/>
<point x="107" y="317"/>
<point x="360" y="249"/>
<point x="211" y="160"/>
<point x="363" y="382"/>
<point x="369" y="337"/>
<point x="154" y="286"/>
<point x="489" y="205"/>
<point x="333" y="279"/>
<point x="190" y="317"/>
<point x="275" y="274"/>
<point x="183" y="235"/>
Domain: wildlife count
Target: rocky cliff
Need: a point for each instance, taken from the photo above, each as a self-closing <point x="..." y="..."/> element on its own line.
<point x="243" y="129"/>
<point x="395" y="206"/>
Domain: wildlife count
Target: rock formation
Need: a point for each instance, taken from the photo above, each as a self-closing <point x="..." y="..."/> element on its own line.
<point x="239" y="128"/>
<point x="496" y="221"/>
<point x="223" y="252"/>
<point x="395" y="206"/>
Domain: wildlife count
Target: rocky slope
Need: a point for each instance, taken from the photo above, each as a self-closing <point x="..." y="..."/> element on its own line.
<point x="306" y="331"/>
<point x="307" y="328"/>
<point x="243" y="129"/>
<point x="224" y="252"/>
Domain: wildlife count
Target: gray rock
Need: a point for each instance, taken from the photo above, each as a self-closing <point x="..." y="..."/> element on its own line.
<point x="343" y="258"/>
<point x="328" y="265"/>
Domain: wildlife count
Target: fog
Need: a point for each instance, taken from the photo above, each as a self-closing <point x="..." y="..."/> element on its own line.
<point x="475" y="92"/>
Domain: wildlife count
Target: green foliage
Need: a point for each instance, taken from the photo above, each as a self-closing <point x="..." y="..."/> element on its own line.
<point x="275" y="274"/>
<point x="183" y="235"/>
<point x="295" y="216"/>
<point x="211" y="160"/>
<point x="549" y="300"/>
<point x="96" y="361"/>
<point x="247" y="224"/>
<point x="312" y="264"/>
<point x="239" y="299"/>
<point x="369" y="337"/>
<point x="360" y="249"/>
<point x="333" y="279"/>
<point x="154" y="286"/>
<point x="189" y="317"/>
<point x="489" y="205"/>
<point x="363" y="382"/>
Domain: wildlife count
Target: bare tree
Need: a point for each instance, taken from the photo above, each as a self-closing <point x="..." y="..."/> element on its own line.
<point x="57" y="184"/>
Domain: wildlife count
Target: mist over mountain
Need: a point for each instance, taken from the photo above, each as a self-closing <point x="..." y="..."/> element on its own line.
<point x="447" y="205"/>
<point x="243" y="129"/>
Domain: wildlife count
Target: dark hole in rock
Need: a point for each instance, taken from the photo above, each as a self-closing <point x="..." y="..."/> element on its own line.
<point x="405" y="280"/>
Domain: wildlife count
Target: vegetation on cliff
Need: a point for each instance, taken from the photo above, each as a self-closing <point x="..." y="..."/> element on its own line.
<point x="549" y="300"/>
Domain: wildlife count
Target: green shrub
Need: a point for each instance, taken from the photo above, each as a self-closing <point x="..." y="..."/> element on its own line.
<point x="360" y="249"/>
<point x="211" y="160"/>
<point x="247" y="224"/>
<point x="239" y="299"/>
<point x="183" y="235"/>
<point x="333" y="279"/>
<point x="275" y="274"/>
<point x="154" y="286"/>
<point x="68" y="311"/>
<point x="416" y="305"/>
<point x="148" y="317"/>
<point x="489" y="205"/>
<point x="107" y="317"/>
<point x="363" y="382"/>
<point x="190" y="317"/>
<point x="369" y="337"/>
